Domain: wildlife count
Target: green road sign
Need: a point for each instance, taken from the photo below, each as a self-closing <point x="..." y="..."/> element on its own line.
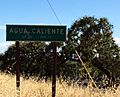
<point x="35" y="33"/>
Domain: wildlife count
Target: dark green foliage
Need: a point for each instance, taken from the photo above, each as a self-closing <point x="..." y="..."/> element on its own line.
<point x="93" y="40"/>
<point x="34" y="59"/>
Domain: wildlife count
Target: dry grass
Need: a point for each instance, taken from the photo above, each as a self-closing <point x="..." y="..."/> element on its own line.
<point x="31" y="88"/>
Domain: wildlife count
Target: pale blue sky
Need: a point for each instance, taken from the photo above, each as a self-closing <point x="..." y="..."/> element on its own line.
<point x="39" y="12"/>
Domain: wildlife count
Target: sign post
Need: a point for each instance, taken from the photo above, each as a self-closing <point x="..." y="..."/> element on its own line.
<point x="52" y="33"/>
<point x="54" y="70"/>
<point x="17" y="68"/>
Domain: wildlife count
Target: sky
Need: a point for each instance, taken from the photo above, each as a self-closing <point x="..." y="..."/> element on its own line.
<point x="39" y="12"/>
